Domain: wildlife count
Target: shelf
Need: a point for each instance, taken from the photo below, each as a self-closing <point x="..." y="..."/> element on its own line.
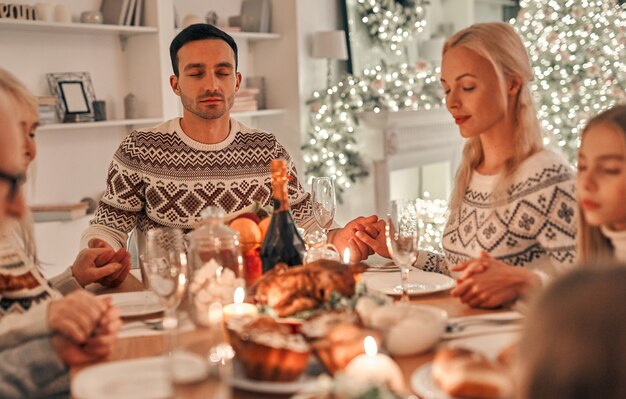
<point x="250" y="36"/>
<point x="261" y="112"/>
<point x="254" y="36"/>
<point x="95" y="125"/>
<point x="507" y="3"/>
<point x="40" y="26"/>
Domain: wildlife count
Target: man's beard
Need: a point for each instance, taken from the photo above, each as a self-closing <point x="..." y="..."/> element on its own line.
<point x="215" y="112"/>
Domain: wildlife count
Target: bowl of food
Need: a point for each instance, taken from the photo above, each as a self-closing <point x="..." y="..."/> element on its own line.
<point x="408" y="329"/>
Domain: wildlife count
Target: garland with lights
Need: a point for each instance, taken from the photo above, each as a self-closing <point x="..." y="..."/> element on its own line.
<point x="330" y="146"/>
<point x="578" y="56"/>
<point x="393" y="22"/>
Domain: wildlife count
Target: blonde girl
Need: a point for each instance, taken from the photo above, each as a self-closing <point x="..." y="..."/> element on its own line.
<point x="601" y="188"/>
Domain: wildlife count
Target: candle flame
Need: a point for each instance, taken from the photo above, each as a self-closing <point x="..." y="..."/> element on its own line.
<point x="369" y="343"/>
<point x="346" y="255"/>
<point x="240" y="295"/>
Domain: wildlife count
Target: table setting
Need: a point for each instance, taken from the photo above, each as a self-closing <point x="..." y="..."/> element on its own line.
<point x="328" y="328"/>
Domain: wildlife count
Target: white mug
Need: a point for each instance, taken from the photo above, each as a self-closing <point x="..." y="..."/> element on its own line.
<point x="62" y="14"/>
<point x="43" y="12"/>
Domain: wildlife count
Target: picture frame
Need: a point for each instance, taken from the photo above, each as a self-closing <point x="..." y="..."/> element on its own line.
<point x="75" y="95"/>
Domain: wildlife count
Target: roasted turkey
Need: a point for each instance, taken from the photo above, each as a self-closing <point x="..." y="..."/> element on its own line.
<point x="292" y="290"/>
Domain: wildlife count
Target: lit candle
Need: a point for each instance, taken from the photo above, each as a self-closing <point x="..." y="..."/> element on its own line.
<point x="238" y="308"/>
<point x="346" y="256"/>
<point x="375" y="367"/>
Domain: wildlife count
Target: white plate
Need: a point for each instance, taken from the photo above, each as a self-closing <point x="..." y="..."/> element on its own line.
<point x="144" y="378"/>
<point x="138" y="303"/>
<point x="491" y="345"/>
<point x="306" y="382"/>
<point x="420" y="282"/>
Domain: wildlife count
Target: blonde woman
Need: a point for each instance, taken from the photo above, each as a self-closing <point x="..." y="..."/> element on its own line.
<point x="30" y="306"/>
<point x="601" y="188"/>
<point x="41" y="335"/>
<point x="512" y="216"/>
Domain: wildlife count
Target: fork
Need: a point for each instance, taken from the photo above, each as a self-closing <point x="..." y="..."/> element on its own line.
<point x="461" y="325"/>
<point x="153" y="324"/>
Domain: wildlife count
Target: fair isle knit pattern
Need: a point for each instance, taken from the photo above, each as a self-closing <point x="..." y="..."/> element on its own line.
<point x="161" y="177"/>
<point x="22" y="285"/>
<point x="534" y="226"/>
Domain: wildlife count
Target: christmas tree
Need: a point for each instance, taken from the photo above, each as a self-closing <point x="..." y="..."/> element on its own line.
<point x="578" y="53"/>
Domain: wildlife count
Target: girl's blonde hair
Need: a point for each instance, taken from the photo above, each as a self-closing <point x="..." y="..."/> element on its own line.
<point x="592" y="244"/>
<point x="503" y="48"/>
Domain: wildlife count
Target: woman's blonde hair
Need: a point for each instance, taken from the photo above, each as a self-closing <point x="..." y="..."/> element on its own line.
<point x="592" y="244"/>
<point x="503" y="48"/>
<point x="573" y="343"/>
<point x="17" y="93"/>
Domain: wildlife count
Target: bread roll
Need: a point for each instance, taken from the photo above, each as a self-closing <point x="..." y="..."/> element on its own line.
<point x="468" y="374"/>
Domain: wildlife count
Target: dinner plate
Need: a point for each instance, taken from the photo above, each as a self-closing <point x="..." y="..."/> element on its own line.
<point x="138" y="303"/>
<point x="307" y="382"/>
<point x="145" y="378"/>
<point x="491" y="345"/>
<point x="420" y="282"/>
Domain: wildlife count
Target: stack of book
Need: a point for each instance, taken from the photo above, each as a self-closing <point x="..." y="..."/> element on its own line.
<point x="122" y="12"/>
<point x="245" y="100"/>
<point x="47" y="108"/>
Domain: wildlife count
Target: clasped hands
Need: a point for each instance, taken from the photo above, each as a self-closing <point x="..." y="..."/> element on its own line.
<point x="100" y="263"/>
<point x="84" y="327"/>
<point x="486" y="282"/>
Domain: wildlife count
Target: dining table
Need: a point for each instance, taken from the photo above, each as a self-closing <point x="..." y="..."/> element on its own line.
<point x="154" y="345"/>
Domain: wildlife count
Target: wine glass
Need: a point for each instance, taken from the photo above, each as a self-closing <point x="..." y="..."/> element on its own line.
<point x="402" y="233"/>
<point x="323" y="202"/>
<point x="165" y="264"/>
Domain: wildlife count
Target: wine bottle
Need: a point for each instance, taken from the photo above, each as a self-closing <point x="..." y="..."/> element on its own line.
<point x="282" y="243"/>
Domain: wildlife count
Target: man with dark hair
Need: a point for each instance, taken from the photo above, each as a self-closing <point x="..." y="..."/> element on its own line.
<point x="167" y="174"/>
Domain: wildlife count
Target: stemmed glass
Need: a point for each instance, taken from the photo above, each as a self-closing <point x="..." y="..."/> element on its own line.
<point x="402" y="233"/>
<point x="323" y="202"/>
<point x="165" y="263"/>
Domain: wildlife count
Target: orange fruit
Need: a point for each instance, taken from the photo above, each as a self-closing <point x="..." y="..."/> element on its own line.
<point x="264" y="225"/>
<point x="249" y="232"/>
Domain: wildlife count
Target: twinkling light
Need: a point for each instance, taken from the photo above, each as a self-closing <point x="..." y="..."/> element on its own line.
<point x="432" y="215"/>
<point x="392" y="23"/>
<point x="333" y="121"/>
<point x="578" y="52"/>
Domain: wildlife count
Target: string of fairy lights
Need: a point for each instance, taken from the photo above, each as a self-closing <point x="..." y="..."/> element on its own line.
<point x="578" y="53"/>
<point x="392" y="23"/>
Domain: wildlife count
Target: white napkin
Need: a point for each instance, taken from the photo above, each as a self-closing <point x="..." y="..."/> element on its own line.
<point x="140" y="329"/>
<point x="511" y="321"/>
